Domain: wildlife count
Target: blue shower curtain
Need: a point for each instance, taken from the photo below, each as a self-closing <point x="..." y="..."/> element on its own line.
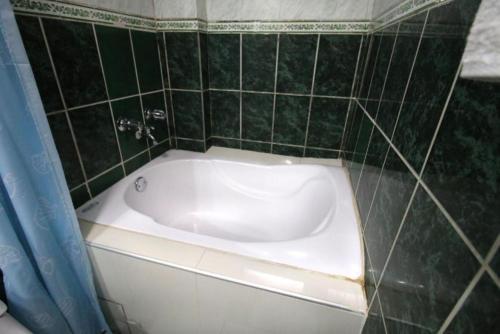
<point x="47" y="273"/>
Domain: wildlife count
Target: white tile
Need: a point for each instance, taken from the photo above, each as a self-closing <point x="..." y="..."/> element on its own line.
<point x="309" y="285"/>
<point x="160" y="249"/>
<point x="220" y="302"/>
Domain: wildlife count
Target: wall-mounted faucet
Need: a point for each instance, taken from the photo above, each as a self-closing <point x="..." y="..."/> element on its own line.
<point x="141" y="129"/>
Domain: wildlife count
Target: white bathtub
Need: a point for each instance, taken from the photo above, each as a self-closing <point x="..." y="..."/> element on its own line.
<point x="296" y="214"/>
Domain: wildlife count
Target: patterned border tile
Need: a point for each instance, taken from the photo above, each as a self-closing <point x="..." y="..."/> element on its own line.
<point x="76" y="12"/>
<point x="291" y="27"/>
<point x="83" y="13"/>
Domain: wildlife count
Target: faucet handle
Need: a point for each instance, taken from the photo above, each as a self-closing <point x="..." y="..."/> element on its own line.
<point x="156" y="114"/>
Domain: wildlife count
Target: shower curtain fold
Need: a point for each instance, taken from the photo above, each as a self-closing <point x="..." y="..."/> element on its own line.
<point x="47" y="275"/>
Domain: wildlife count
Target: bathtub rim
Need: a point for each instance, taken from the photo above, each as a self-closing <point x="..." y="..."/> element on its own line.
<point x="172" y="253"/>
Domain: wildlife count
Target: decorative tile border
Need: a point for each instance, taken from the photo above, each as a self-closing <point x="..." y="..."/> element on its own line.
<point x="82" y="13"/>
<point x="290" y="27"/>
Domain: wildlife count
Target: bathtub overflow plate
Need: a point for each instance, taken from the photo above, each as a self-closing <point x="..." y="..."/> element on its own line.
<point x="141" y="184"/>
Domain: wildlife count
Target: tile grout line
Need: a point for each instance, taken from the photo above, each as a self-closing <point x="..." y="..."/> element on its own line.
<point x="468" y="290"/>
<point x="352" y="93"/>
<point x="63" y="101"/>
<point x="138" y="85"/>
<point x="268" y="93"/>
<point x="275" y="85"/>
<point x="396" y="237"/>
<point x="410" y="75"/>
<point x="312" y="94"/>
<point x="241" y="88"/>
<point x="116" y="165"/>
<point x="376" y="114"/>
<point x="266" y="142"/>
<point x="381" y="311"/>
<point x="170" y="88"/>
<point x="158" y="46"/>
<point x="443" y="210"/>
<point x="441" y="117"/>
<point x="354" y="104"/>
<point x="367" y="94"/>
<point x="201" y="93"/>
<point x="109" y="103"/>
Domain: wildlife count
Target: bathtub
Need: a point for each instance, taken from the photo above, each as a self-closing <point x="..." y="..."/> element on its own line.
<point x="287" y="211"/>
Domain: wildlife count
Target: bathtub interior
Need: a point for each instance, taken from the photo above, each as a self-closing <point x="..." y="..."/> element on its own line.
<point x="238" y="201"/>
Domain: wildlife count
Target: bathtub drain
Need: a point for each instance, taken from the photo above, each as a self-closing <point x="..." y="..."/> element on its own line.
<point x="141" y="184"/>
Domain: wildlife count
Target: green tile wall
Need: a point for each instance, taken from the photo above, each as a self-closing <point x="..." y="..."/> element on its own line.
<point x="281" y="93"/>
<point x="423" y="153"/>
<point x="88" y="76"/>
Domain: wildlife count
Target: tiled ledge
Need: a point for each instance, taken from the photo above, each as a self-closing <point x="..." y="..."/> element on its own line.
<point x="306" y="285"/>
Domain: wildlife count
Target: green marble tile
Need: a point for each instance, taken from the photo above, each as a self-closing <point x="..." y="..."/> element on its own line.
<point x="159" y="149"/>
<point x="156" y="101"/>
<point x="225" y="109"/>
<point x="403" y="56"/>
<point x="147" y="60"/>
<point x="66" y="148"/>
<point x="224" y="61"/>
<point x="372" y="168"/>
<point x="429" y="268"/>
<point x="117" y="61"/>
<point x="320" y="153"/>
<point x="294" y="151"/>
<point x="395" y="326"/>
<point x="79" y="196"/>
<point x="163" y="58"/>
<point x="429" y="86"/>
<point x="336" y="64"/>
<point x="136" y="163"/>
<point x="207" y="116"/>
<point x="188" y="114"/>
<point x="257" y="116"/>
<point x="353" y="124"/>
<point x="190" y="145"/>
<point x="183" y="59"/>
<point x="95" y="137"/>
<point x="326" y="123"/>
<point x="495" y="263"/>
<point x="390" y="202"/>
<point x="130" y="109"/>
<point x="74" y="51"/>
<point x="463" y="168"/>
<point x="479" y="313"/>
<point x="291" y="119"/>
<point x="374" y="323"/>
<point x="170" y="113"/>
<point x="257" y="147"/>
<point x="204" y="60"/>
<point x="103" y="182"/>
<point x="363" y="58"/>
<point x="361" y="145"/>
<point x="381" y="66"/>
<point x="223" y="142"/>
<point x="38" y="55"/>
<point x="259" y="62"/>
<point x="372" y="56"/>
<point x="296" y="63"/>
